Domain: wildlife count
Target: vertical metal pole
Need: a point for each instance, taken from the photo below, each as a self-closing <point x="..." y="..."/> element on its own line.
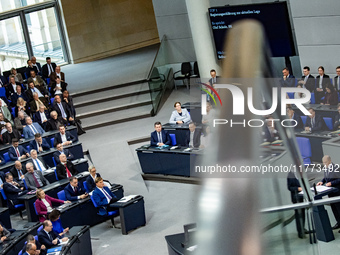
<point x="26" y="34"/>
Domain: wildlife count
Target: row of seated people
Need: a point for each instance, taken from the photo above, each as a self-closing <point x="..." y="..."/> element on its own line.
<point x="321" y="86"/>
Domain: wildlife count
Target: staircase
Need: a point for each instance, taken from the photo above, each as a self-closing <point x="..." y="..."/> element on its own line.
<point x="113" y="105"/>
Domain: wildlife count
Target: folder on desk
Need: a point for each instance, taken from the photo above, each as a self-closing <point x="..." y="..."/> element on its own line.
<point x="54" y="249"/>
<point x="127" y="198"/>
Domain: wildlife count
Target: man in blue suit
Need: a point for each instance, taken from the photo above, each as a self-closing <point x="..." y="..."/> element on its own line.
<point x="74" y="191"/>
<point x="48" y="237"/>
<point x="64" y="137"/>
<point x="103" y="196"/>
<point x="31" y="128"/>
<point x="17" y="152"/>
<point x="159" y="137"/>
<point x="39" y="144"/>
<point x="12" y="189"/>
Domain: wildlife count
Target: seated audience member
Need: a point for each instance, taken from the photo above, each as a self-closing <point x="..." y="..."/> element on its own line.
<point x="314" y="122"/>
<point x="37" y="80"/>
<point x="10" y="134"/>
<point x="294" y="187"/>
<point x="103" y="196"/>
<point x="212" y="81"/>
<point x="179" y="116"/>
<point x="30" y="68"/>
<point x="58" y="87"/>
<point x="12" y="87"/>
<point x="91" y="179"/>
<point x="331" y="97"/>
<point x="159" y="137"/>
<point x="20" y="122"/>
<point x="44" y="204"/>
<point x="337" y="120"/>
<point x="42" y="116"/>
<point x="298" y="95"/>
<point x="54" y="217"/>
<point x="270" y="133"/>
<point x="18" y="94"/>
<point x="322" y="80"/>
<point x="3" y="81"/>
<point x="31" y="128"/>
<point x="288" y="80"/>
<point x="55" y="121"/>
<point x="48" y="68"/>
<point x="41" y="249"/>
<point x="73" y="190"/>
<point x="13" y="190"/>
<point x="65" y="169"/>
<point x="62" y="109"/>
<point x="294" y="116"/>
<point x="34" y="178"/>
<point x="208" y="119"/>
<point x="42" y="92"/>
<point x="56" y="74"/>
<point x="17" y="76"/>
<point x="22" y="107"/>
<point x="193" y="136"/>
<point x="16" y="151"/>
<point x="18" y="171"/>
<point x="64" y="137"/>
<point x="337" y="79"/>
<point x="36" y="103"/>
<point x="4" y="234"/>
<point x="206" y="138"/>
<point x="39" y="144"/>
<point x="61" y="150"/>
<point x="48" y="237"/>
<point x="5" y="115"/>
<point x="38" y="162"/>
<point x="69" y="101"/>
<point x="36" y="64"/>
<point x="308" y="79"/>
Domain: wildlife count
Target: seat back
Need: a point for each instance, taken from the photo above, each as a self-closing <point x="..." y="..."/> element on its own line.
<point x="61" y="195"/>
<point x="20" y="252"/>
<point x="329" y="122"/>
<point x="48" y="81"/>
<point x="304" y="119"/>
<point x="55" y="164"/>
<point x="196" y="71"/>
<point x="312" y="98"/>
<point x="35" y="209"/>
<point x="39" y="229"/>
<point x="2" y="92"/>
<point x="24" y="181"/>
<point x="85" y="186"/>
<point x="305" y="149"/>
<point x="291" y="95"/>
<point x="3" y="194"/>
<point x="55" y="172"/>
<point x="173" y="139"/>
<point x="6" y="157"/>
<point x="186" y="68"/>
<point x="94" y="202"/>
<point x="52" y="142"/>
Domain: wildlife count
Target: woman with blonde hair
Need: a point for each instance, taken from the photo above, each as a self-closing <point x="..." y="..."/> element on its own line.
<point x="22" y="107"/>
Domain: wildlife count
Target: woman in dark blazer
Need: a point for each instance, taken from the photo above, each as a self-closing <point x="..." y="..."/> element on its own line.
<point x="331" y="97"/>
<point x="90" y="180"/>
<point x="40" y="204"/>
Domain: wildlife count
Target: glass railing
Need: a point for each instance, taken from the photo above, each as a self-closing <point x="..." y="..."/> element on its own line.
<point x="160" y="78"/>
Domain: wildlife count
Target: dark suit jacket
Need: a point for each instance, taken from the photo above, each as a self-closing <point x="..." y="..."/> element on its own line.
<point x="69" y="137"/>
<point x="310" y="84"/>
<point x="71" y="195"/>
<point x="42" y="161"/>
<point x="52" y="124"/>
<point x="68" y="154"/>
<point x="331" y="98"/>
<point x="336" y="121"/>
<point x="44" y="239"/>
<point x="63" y="86"/>
<point x="165" y="138"/>
<point x="6" y="137"/>
<point x="29" y="69"/>
<point x="61" y="170"/>
<point x="289" y="82"/>
<point x="3" y="80"/>
<point x="54" y="76"/>
<point x="15" y="97"/>
<point x="66" y="109"/>
<point x="29" y="92"/>
<point x="2" y="176"/>
<point x="90" y="183"/>
<point x="335" y="83"/>
<point x="33" y="105"/>
<point x="99" y="198"/>
<point x="333" y="177"/>
<point x="268" y="137"/>
<point x="14" y="172"/>
<point x="30" y="180"/>
<point x="293" y="184"/>
<point x="37" y="243"/>
<point x="9" y="89"/>
<point x="326" y="80"/>
<point x="196" y="139"/>
<point x="37" y="118"/>
<point x="319" y="123"/>
<point x="45" y="70"/>
<point x="45" y="145"/>
<point x="297" y="117"/>
<point x="13" y="155"/>
<point x="12" y="193"/>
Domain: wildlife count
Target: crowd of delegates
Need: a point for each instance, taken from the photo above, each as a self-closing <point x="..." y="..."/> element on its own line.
<point x="324" y="88"/>
<point x="35" y="103"/>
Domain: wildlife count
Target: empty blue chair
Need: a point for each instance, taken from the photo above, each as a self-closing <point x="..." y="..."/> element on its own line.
<point x="329" y="122"/>
<point x="85" y="187"/>
<point x="305" y="149"/>
<point x="304" y="119"/>
<point x="61" y="195"/>
<point x="173" y="139"/>
<point x="52" y="142"/>
<point x="312" y="98"/>
<point x="19" y="207"/>
<point x="6" y="157"/>
<point x="3" y="92"/>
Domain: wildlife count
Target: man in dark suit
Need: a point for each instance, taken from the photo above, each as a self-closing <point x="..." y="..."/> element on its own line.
<point x="30" y="249"/>
<point x="18" y="94"/>
<point x="193" y="136"/>
<point x="41" y="116"/>
<point x="16" y="151"/>
<point x="30" y="68"/>
<point x="37" y="102"/>
<point x="64" y="137"/>
<point x="31" y="128"/>
<point x="10" y="134"/>
<point x="332" y="179"/>
<point x="37" y="80"/>
<point x="337" y="79"/>
<point x="61" y="150"/>
<point x="74" y="191"/>
<point x="159" y="137"/>
<point x="48" y="68"/>
<point x="12" y="87"/>
<point x="322" y="80"/>
<point x="38" y="162"/>
<point x="287" y="80"/>
<point x="55" y="121"/>
<point x="314" y="122"/>
<point x="103" y="196"/>
<point x="337" y="120"/>
<point x="294" y="116"/>
<point x="3" y="81"/>
<point x="39" y="144"/>
<point x="31" y="240"/>
<point x="63" y="110"/>
<point x="42" y="92"/>
<point x="212" y="82"/>
<point x="34" y="178"/>
<point x="65" y="169"/>
<point x="48" y="237"/>
<point x="36" y="64"/>
<point x="308" y="79"/>
<point x="12" y="189"/>
<point x="90" y="180"/>
<point x="56" y="74"/>
<point x="18" y="171"/>
<point x="58" y="87"/>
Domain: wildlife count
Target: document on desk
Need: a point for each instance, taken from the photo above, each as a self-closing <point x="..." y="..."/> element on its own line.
<point x="127" y="198"/>
<point x="319" y="189"/>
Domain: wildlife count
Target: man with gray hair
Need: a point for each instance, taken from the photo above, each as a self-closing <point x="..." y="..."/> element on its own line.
<point x="30" y="249"/>
<point x="32" y="128"/>
<point x="34" y="178"/>
<point x="55" y="121"/>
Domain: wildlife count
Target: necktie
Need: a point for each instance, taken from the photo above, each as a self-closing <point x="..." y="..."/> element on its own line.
<point x="50" y="69"/>
<point x="107" y="194"/>
<point x="68" y="173"/>
<point x="75" y="190"/>
<point x="36" y="181"/>
<point x="159" y="137"/>
<point x="17" y="151"/>
<point x="338" y="82"/>
<point x="312" y="122"/>
<point x="37" y="162"/>
<point x="63" y="114"/>
<point x="50" y="236"/>
<point x="34" y="130"/>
